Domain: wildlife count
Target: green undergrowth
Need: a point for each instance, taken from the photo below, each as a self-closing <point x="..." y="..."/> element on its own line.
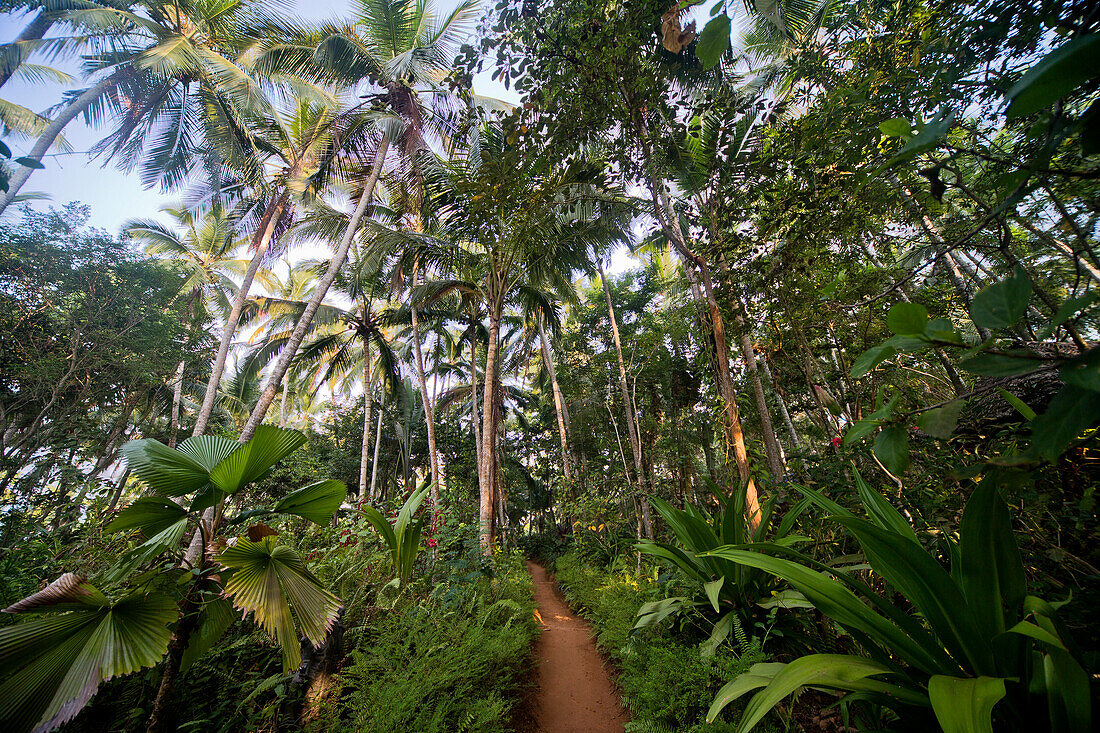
<point x="439" y="657"/>
<point x="666" y="683"/>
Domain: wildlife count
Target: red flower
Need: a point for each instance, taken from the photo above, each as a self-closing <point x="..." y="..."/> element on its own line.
<point x="836" y="442"/>
<point x="431" y="542"/>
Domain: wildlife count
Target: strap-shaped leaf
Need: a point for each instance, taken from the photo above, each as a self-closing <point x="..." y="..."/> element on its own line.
<point x="991" y="569"/>
<point x="255" y="458"/>
<point x="713" y="588"/>
<point x="272" y="582"/>
<point x="831" y="671"/>
<point x="59" y="661"/>
<point x="655" y="612"/>
<point x="918" y="576"/>
<point x="164" y="470"/>
<point x="151" y="514"/>
<point x="882" y="512"/>
<point x="965" y="704"/>
<point x="316" y="502"/>
<point x="759" y="675"/>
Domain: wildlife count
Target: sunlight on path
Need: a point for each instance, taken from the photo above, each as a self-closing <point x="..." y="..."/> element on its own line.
<point x="574" y="693"/>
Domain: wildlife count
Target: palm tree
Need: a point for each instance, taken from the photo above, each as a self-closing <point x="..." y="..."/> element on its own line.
<point x="203" y="252"/>
<point x="404" y="49"/>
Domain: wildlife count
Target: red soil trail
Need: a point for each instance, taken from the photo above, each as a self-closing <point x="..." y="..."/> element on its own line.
<point x="574" y="693"/>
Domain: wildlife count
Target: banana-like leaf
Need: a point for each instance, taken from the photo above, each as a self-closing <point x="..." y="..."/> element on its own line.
<point x="965" y="704"/>
<point x="57" y="663"/>
<point x="271" y="581"/>
<point x="165" y="471"/>
<point x="918" y="576"/>
<point x="830" y="671"/>
<point x="254" y="459"/>
<point x="151" y="514"/>
<point x="901" y="635"/>
<point x="759" y="675"/>
<point x="216" y="616"/>
<point x="991" y="570"/>
<point x="655" y="612"/>
<point x="316" y="502"/>
<point x="882" y="512"/>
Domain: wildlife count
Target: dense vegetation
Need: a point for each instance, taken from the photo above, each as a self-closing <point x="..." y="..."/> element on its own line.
<point x="771" y="325"/>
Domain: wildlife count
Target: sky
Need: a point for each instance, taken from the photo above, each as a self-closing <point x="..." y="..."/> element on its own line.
<point x="113" y="195"/>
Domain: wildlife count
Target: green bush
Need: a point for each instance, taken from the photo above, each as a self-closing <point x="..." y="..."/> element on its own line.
<point x="450" y="661"/>
<point x="666" y="682"/>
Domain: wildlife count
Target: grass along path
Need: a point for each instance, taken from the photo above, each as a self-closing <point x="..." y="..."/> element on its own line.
<point x="573" y="692"/>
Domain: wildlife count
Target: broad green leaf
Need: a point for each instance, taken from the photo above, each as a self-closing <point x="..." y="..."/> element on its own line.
<point x="870" y="359"/>
<point x="208" y="450"/>
<point x="991" y="571"/>
<point x="718" y="634"/>
<point x="1020" y="405"/>
<point x="927" y="139"/>
<point x="271" y="581"/>
<point x="56" y="663"/>
<point x="859" y="430"/>
<point x="215" y="618"/>
<point x="255" y="458"/>
<point x="941" y="329"/>
<point x="941" y="422"/>
<point x="1068" y="310"/>
<point x="1036" y="632"/>
<point x="907" y="343"/>
<point x="1084" y="371"/>
<point x="907" y="319"/>
<point x="654" y="612"/>
<point x="1072" y="411"/>
<point x="999" y="365"/>
<point x="911" y="571"/>
<point x="901" y="634"/>
<point x="882" y="512"/>
<point x="1056" y="75"/>
<point x="714" y="40"/>
<point x="897" y="127"/>
<point x="713" y="588"/>
<point x="151" y="514"/>
<point x="316" y="502"/>
<point x="165" y="471"/>
<point x="759" y="675"/>
<point x="1069" y="701"/>
<point x="831" y="671"/>
<point x="965" y="704"/>
<point x="1001" y="304"/>
<point x="892" y="449"/>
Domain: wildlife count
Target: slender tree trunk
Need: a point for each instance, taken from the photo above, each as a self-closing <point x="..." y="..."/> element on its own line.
<point x="271" y="386"/>
<point x="377" y="445"/>
<point x="261" y="240"/>
<point x="489" y="427"/>
<point x="177" y="398"/>
<point x="772" y="448"/>
<point x="559" y="403"/>
<point x="364" y="451"/>
<point x="188" y="622"/>
<point x="632" y="426"/>
<point x="781" y="403"/>
<point x="429" y="412"/>
<point x="475" y="414"/>
<point x="49" y="136"/>
<point x="282" y="402"/>
<point x="15" y="54"/>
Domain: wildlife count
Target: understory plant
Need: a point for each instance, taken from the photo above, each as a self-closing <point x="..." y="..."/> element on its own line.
<point x="84" y="634"/>
<point x="730" y="596"/>
<point x="402" y="538"/>
<point x="968" y="648"/>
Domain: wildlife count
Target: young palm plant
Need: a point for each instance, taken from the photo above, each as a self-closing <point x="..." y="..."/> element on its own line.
<point x="82" y="636"/>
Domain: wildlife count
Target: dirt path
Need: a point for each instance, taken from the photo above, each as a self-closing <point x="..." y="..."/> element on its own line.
<point x="574" y="693"/>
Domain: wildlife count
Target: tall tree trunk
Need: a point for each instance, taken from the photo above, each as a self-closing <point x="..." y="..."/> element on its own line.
<point x="781" y="403"/>
<point x="632" y="426"/>
<point x="475" y="414"/>
<point x="271" y="386"/>
<point x="261" y="240"/>
<point x="49" y="136"/>
<point x="559" y="403"/>
<point x="776" y="462"/>
<point x="177" y="398"/>
<point x="364" y="451"/>
<point x="282" y="401"/>
<point x="377" y="445"/>
<point x="429" y="412"/>
<point x="15" y="53"/>
<point x="489" y="427"/>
